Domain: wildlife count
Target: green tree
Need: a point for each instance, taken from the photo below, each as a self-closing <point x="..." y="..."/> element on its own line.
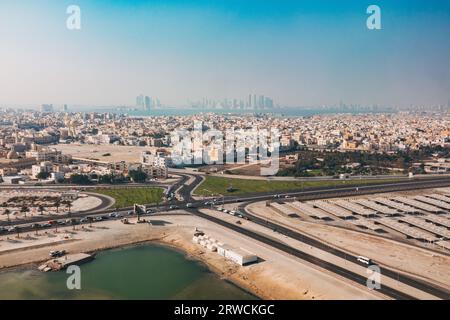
<point x="80" y="179"/>
<point x="7" y="212"/>
<point x="24" y="210"/>
<point x="137" y="175"/>
<point x="68" y="204"/>
<point x="43" y="175"/>
<point x="57" y="204"/>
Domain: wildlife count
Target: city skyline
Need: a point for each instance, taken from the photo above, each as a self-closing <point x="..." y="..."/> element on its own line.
<point x="300" y="53"/>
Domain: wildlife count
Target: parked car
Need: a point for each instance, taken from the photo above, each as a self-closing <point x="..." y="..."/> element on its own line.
<point x="57" y="253"/>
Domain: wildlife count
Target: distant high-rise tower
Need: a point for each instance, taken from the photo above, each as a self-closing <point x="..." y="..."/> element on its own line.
<point x="140" y="101"/>
<point x="148" y="103"/>
<point x="261" y="102"/>
<point x="268" y="103"/>
<point x="65" y="109"/>
<point x="47" y="108"/>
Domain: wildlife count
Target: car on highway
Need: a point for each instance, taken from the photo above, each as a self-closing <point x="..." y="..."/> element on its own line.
<point x="98" y="218"/>
<point x="13" y="229"/>
<point x="83" y="220"/>
<point x="112" y="215"/>
<point x="173" y="207"/>
<point x="364" y="260"/>
<point x="189" y="205"/>
<point x="150" y="211"/>
<point x="130" y="213"/>
<point x="3" y="229"/>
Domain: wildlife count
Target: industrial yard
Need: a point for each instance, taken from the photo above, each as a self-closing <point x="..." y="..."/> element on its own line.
<point x="423" y="219"/>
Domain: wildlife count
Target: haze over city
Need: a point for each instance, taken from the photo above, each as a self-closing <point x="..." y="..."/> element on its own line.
<point x="189" y="152"/>
<point x="301" y="53"/>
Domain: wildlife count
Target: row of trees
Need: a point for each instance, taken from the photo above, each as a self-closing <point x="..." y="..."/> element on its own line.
<point x="24" y="209"/>
<point x="333" y="163"/>
<point x="134" y="175"/>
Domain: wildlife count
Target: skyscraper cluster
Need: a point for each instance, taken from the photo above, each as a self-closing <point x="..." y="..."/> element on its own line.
<point x="253" y="102"/>
<point x="147" y="103"/>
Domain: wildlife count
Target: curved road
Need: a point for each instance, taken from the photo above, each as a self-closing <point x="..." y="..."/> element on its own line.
<point x="318" y="193"/>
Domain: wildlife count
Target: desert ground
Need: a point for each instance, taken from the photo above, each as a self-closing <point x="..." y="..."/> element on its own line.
<point x="277" y="276"/>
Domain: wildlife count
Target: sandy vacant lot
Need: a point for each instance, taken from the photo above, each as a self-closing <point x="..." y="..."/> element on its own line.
<point x="117" y="153"/>
<point x="278" y="276"/>
<point x="407" y="258"/>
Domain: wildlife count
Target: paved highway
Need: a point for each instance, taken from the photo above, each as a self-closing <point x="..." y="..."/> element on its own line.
<point x="318" y="193"/>
<point x="413" y="282"/>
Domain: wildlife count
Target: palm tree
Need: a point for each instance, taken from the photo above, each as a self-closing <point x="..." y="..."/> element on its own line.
<point x="73" y="222"/>
<point x="57" y="205"/>
<point x="36" y="228"/>
<point x="68" y="205"/>
<point x="7" y="212"/>
<point x="24" y="210"/>
<point x="90" y="219"/>
<point x="41" y="209"/>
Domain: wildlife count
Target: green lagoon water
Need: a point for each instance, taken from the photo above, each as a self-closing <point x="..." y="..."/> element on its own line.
<point x="140" y="272"/>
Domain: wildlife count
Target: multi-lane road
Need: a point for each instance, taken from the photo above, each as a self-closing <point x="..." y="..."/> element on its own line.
<point x="188" y="183"/>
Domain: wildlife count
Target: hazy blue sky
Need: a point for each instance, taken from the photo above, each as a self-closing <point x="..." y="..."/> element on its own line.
<point x="304" y="52"/>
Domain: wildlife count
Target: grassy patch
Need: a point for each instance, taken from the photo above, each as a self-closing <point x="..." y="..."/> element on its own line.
<point x="126" y="197"/>
<point x="219" y="185"/>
